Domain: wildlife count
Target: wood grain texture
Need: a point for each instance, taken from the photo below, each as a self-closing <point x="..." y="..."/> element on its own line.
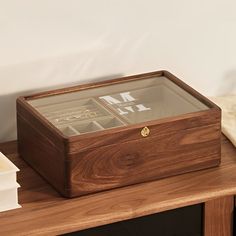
<point x="43" y="153"/>
<point x="118" y="157"/>
<point x="122" y="164"/>
<point x="218" y="217"/>
<point x="45" y="212"/>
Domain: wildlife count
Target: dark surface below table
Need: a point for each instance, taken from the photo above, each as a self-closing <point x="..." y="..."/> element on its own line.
<point x="186" y="221"/>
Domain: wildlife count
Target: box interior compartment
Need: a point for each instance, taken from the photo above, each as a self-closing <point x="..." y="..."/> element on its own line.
<point x="68" y="112"/>
<point x="162" y="100"/>
<point x="110" y="122"/>
<point x="112" y="106"/>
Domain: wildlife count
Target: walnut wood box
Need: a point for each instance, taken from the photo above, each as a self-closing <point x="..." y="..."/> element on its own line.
<point x="99" y="136"/>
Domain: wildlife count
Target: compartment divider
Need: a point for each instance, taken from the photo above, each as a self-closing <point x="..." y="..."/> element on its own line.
<point x="111" y="111"/>
<point x="98" y="124"/>
<point x="73" y="129"/>
<point x="68" y="130"/>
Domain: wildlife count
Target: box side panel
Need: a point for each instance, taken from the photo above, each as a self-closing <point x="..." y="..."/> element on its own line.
<point x="41" y="151"/>
<point x="122" y="164"/>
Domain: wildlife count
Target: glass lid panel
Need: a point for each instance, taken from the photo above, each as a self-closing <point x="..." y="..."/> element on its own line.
<point x="116" y="105"/>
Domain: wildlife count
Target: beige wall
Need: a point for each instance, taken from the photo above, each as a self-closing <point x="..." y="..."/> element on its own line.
<point x="50" y="43"/>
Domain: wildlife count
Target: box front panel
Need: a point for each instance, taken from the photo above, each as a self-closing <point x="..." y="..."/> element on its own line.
<point x="146" y="159"/>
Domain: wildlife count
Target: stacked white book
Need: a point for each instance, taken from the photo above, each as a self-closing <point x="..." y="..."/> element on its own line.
<point x="8" y="185"/>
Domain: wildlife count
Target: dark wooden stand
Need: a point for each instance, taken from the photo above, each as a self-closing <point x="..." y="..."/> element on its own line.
<point x="45" y="212"/>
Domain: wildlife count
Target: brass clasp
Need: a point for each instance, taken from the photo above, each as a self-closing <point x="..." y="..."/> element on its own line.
<point x="145" y="131"/>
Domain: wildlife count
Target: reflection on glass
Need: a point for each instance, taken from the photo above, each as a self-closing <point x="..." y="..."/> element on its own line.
<point x="116" y="105"/>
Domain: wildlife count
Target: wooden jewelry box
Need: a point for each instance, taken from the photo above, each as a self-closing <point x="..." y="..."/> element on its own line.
<point x="104" y="135"/>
